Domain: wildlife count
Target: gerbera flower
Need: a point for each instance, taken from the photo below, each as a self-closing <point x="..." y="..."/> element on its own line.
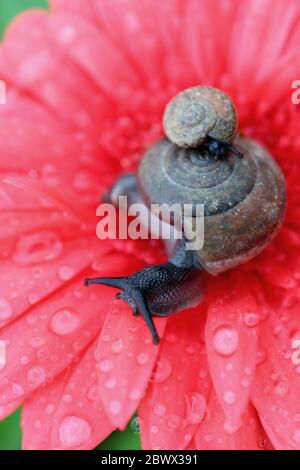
<point x="87" y="85"/>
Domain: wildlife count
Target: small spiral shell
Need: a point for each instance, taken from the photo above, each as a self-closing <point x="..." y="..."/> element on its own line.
<point x="244" y="199"/>
<point x="199" y="112"/>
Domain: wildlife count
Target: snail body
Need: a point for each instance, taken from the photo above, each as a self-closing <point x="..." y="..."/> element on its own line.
<point x="200" y="163"/>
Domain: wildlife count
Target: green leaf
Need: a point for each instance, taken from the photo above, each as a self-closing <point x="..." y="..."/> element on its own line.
<point x="10" y="8"/>
<point x="10" y="433"/>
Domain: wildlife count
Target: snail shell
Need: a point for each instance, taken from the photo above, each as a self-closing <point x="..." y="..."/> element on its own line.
<point x="244" y="199"/>
<point x="199" y="112"/>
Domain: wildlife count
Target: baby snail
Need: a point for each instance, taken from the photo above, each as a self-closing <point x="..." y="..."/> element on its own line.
<point x="199" y="163"/>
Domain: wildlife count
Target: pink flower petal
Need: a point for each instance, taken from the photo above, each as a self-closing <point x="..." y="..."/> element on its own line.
<point x="213" y="433"/>
<point x="125" y="359"/>
<point x="175" y="401"/>
<point x="276" y="387"/>
<point x="46" y="340"/>
<point x="68" y="414"/>
<point x="31" y="50"/>
<point x="41" y="263"/>
<point x="231" y="342"/>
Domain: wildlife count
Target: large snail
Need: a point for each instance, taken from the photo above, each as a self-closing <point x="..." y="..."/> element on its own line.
<point x="200" y="163"/>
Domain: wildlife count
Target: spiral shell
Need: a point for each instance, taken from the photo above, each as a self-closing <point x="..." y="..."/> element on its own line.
<point x="199" y="112"/>
<point x="244" y="199"/>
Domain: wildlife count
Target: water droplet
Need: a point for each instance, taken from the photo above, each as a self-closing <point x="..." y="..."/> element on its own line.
<point x="74" y="431"/>
<point x="250" y="319"/>
<point x="173" y="422"/>
<point x="117" y="346"/>
<point x="37" y="341"/>
<point x="38" y="424"/>
<point x="159" y="409"/>
<point x="135" y="394"/>
<point x="17" y="390"/>
<point x="105" y="365"/>
<point x="110" y="383"/>
<point x="5" y="309"/>
<point x="281" y="388"/>
<point x="37" y="248"/>
<point x="93" y="393"/>
<point x="229" y="397"/>
<point x="142" y="359"/>
<point x="64" y="322"/>
<point x="154" y="429"/>
<point x="115" y="407"/>
<point x="225" y="340"/>
<point x="36" y="375"/>
<point x="50" y="409"/>
<point x="135" y="425"/>
<point x="67" y="398"/>
<point x="162" y="371"/>
<point x="24" y="360"/>
<point x="296" y="436"/>
<point x="65" y="273"/>
<point x="196" y="407"/>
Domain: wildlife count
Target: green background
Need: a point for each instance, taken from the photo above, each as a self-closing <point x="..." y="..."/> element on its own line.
<point x="10" y="434"/>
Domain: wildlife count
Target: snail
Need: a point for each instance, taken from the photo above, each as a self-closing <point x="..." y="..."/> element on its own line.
<point x="199" y="162"/>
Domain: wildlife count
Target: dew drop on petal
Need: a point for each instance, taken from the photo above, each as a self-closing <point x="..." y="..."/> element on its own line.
<point x="36" y="375"/>
<point x="117" y="346"/>
<point x="5" y="309"/>
<point x="196" y="407"/>
<point x="64" y="322"/>
<point x="135" y="394"/>
<point x="17" y="390"/>
<point x="162" y="371"/>
<point x="74" y="431"/>
<point x="173" y="422"/>
<point x="250" y="319"/>
<point x="105" y="365"/>
<point x="65" y="273"/>
<point x="142" y="359"/>
<point x="281" y="388"/>
<point x="50" y="409"/>
<point x="115" y="407"/>
<point x="225" y="340"/>
<point x="110" y="383"/>
<point x="154" y="429"/>
<point x="37" y="248"/>
<point x="296" y="436"/>
<point x="93" y="393"/>
<point x="159" y="409"/>
<point x="229" y="397"/>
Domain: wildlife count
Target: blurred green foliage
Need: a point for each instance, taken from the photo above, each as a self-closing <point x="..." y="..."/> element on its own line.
<point x="10" y="433"/>
<point x="10" y="8"/>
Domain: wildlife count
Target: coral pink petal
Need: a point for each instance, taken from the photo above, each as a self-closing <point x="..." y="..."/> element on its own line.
<point x="276" y="387"/>
<point x="175" y="401"/>
<point x="41" y="263"/>
<point x="46" y="340"/>
<point x="68" y="415"/>
<point x="34" y="53"/>
<point x="213" y="433"/>
<point x="109" y="70"/>
<point x="231" y="342"/>
<point x="125" y="358"/>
